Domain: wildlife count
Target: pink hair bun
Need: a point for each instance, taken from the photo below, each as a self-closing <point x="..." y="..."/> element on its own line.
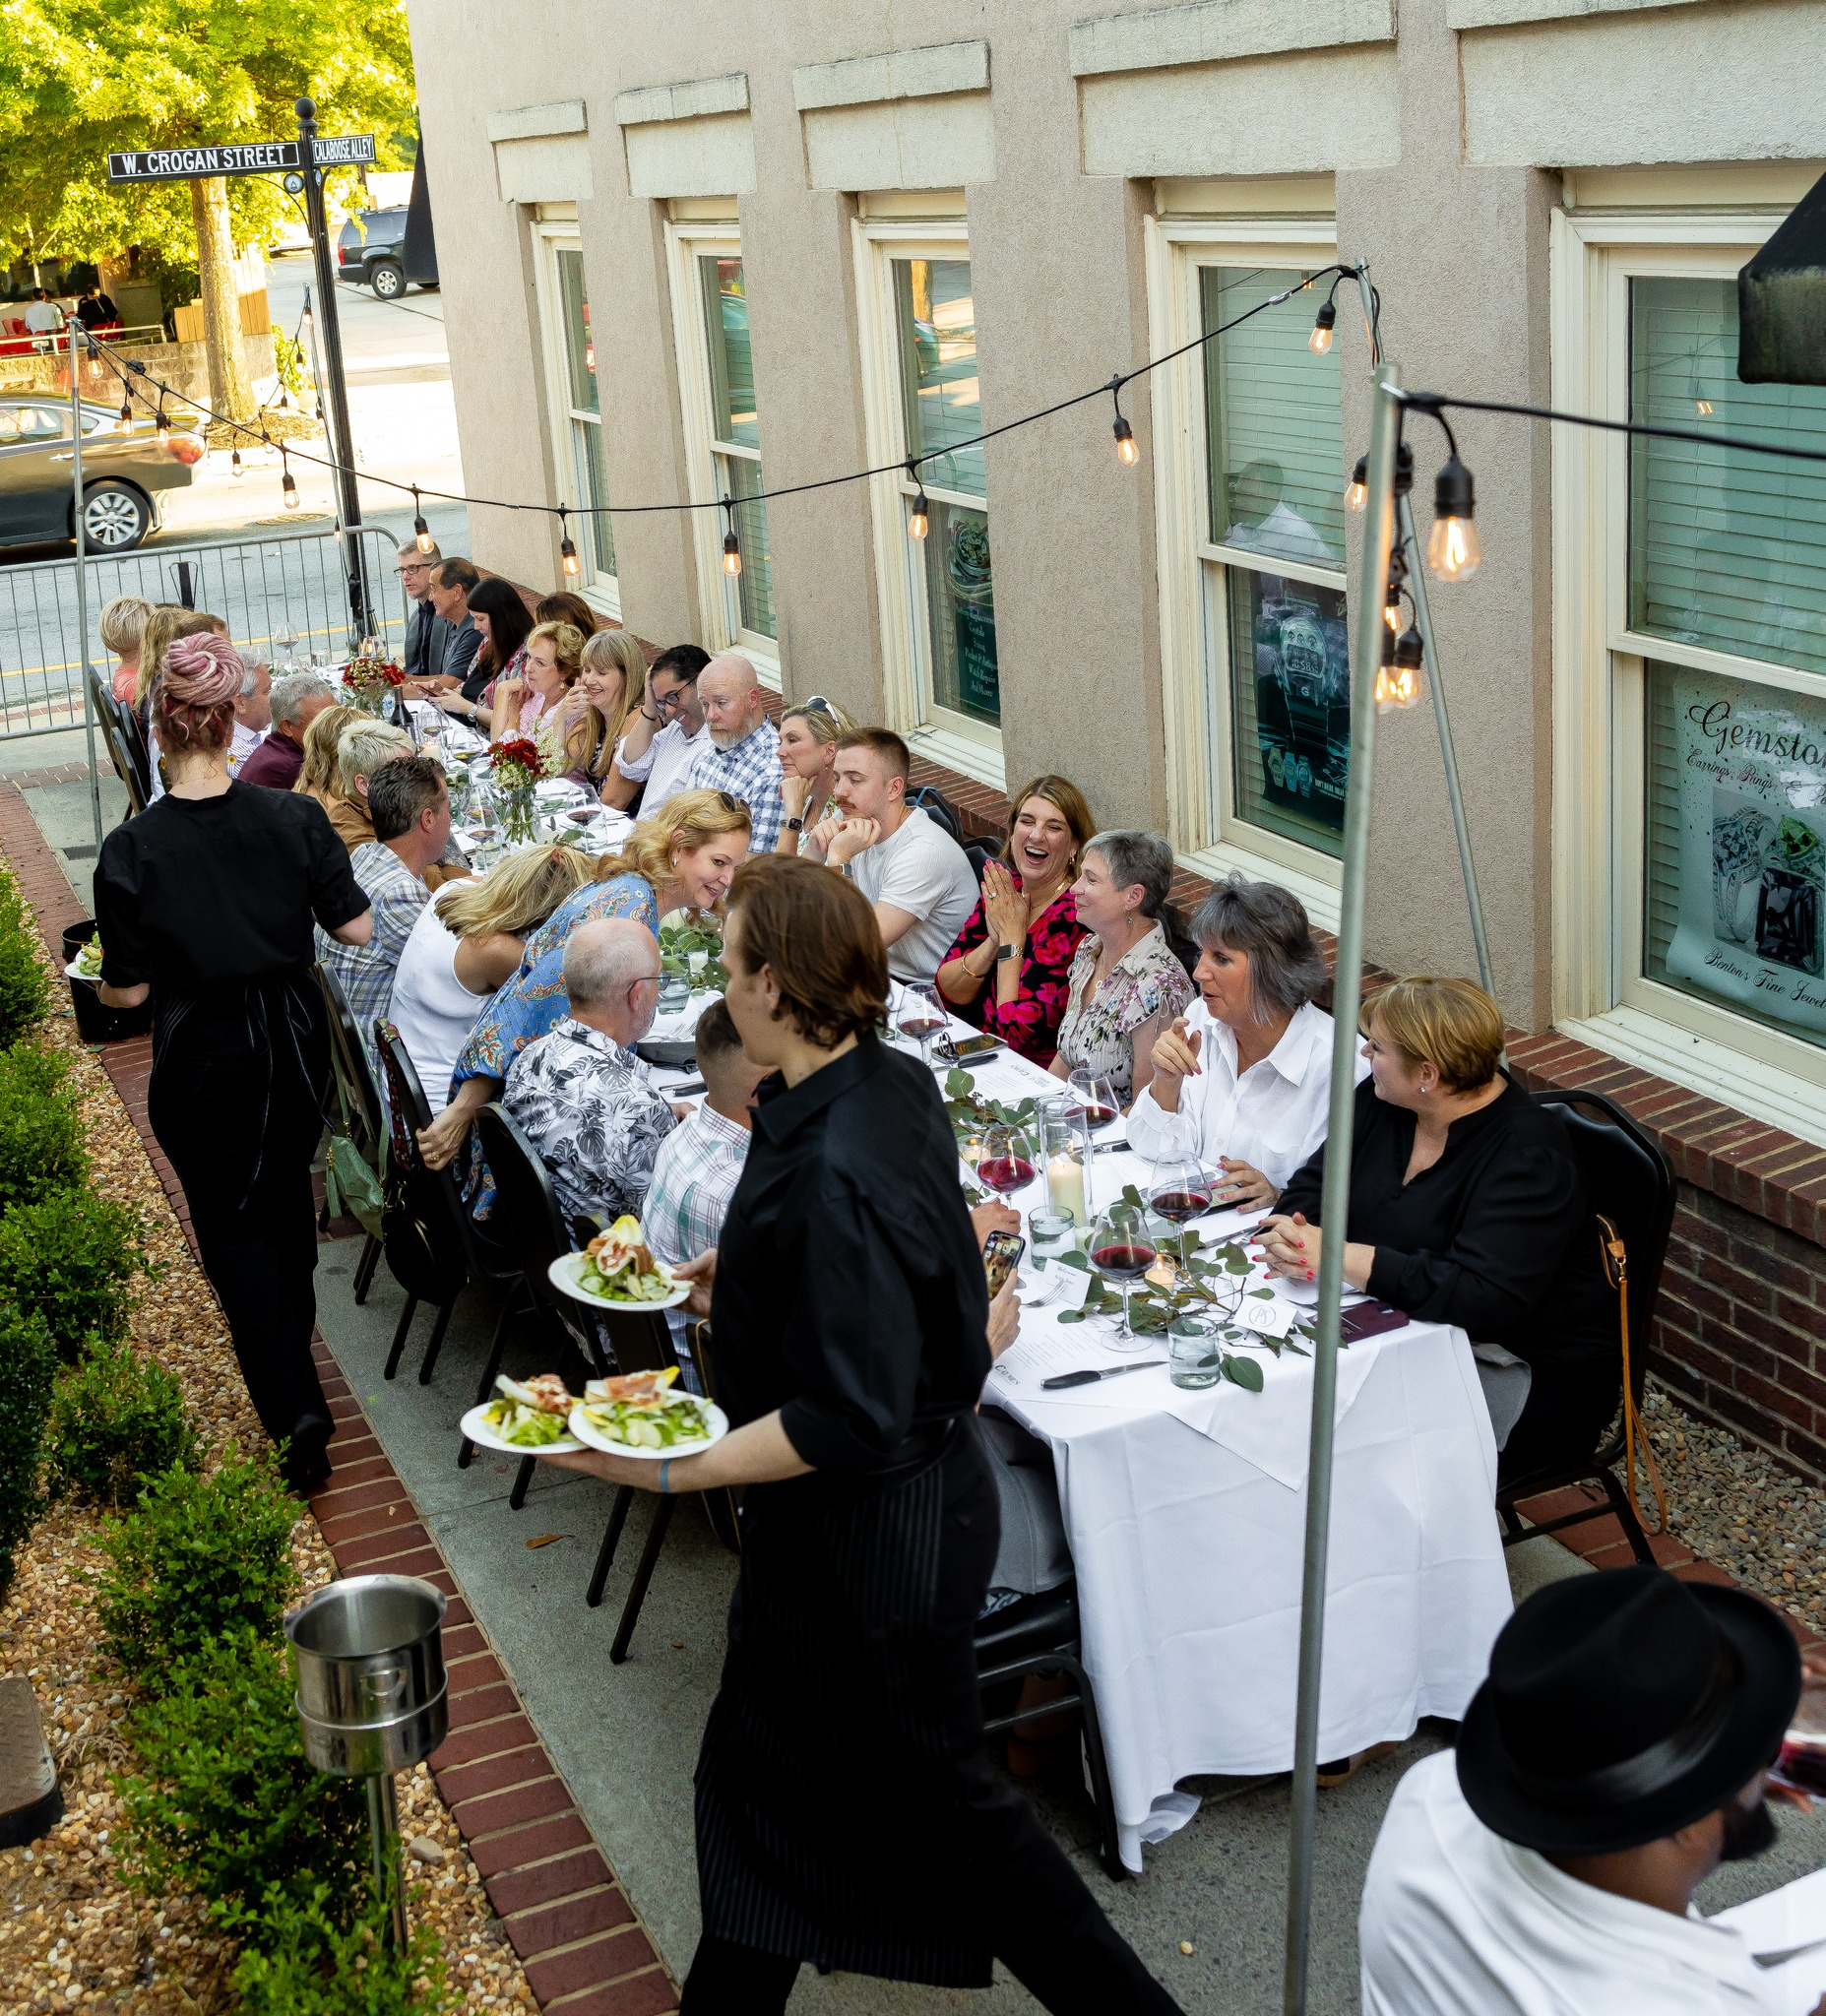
<point x="202" y="671"/>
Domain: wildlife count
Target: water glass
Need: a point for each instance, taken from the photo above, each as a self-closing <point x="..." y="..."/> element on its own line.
<point x="674" y="991"/>
<point x="1050" y="1233"/>
<point x="1192" y="1352"/>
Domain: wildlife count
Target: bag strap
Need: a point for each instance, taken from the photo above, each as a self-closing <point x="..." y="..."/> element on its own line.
<point x="1615" y="1256"/>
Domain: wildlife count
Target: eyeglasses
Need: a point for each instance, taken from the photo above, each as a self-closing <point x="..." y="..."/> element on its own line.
<point x="816" y="703"/>
<point x="730" y="804"/>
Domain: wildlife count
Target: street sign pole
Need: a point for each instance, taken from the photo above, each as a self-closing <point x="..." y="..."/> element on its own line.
<point x="77" y="336"/>
<point x="343" y="446"/>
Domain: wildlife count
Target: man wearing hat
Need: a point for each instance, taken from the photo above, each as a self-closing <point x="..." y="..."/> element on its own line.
<point x="1613" y="1758"/>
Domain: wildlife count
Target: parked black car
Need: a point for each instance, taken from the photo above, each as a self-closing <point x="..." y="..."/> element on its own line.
<point x="370" y="249"/>
<point x="124" y="471"/>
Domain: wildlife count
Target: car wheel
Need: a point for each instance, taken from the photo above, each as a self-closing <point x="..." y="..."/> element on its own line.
<point x="387" y="279"/>
<point x="115" y="516"/>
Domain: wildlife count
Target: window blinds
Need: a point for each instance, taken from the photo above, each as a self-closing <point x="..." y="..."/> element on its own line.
<point x="1276" y="429"/>
<point x="1726" y="549"/>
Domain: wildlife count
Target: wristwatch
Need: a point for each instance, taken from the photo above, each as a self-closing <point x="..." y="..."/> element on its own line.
<point x="795" y="825"/>
<point x="1006" y="951"/>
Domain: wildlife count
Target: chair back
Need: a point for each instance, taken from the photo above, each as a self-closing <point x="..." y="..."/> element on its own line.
<point x="355" y="1082"/>
<point x="979" y="854"/>
<point x="532" y="1225"/>
<point x="138" y="755"/>
<point x="641" y="1339"/>
<point x="1631" y="1182"/>
<point x="424" y="1222"/>
<point x="106" y="710"/>
<point x="938" y="809"/>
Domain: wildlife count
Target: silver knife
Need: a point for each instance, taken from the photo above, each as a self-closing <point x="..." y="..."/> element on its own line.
<point x="1109" y="1147"/>
<point x="1090" y="1373"/>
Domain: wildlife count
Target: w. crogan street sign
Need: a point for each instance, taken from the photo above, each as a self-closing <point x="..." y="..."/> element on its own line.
<point x="248" y="157"/>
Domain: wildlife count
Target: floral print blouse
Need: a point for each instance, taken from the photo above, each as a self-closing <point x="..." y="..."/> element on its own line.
<point x="1146" y="985"/>
<point x="1030" y="1023"/>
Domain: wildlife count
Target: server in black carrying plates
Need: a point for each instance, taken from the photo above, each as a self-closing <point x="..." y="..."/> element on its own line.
<point x="850" y="1327"/>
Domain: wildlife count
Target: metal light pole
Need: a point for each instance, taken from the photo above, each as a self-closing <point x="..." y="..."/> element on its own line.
<point x="342" y="449"/>
<point x="317" y="378"/>
<point x="74" y="333"/>
<point x="1333" y="1210"/>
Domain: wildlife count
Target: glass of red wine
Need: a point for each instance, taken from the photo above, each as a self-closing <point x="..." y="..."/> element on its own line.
<point x="921" y="1016"/>
<point x="1098" y="1095"/>
<point x="1180" y="1189"/>
<point x="1122" y="1249"/>
<point x="1009" y="1160"/>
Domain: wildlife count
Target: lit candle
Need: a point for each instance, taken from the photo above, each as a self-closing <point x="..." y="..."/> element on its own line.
<point x="1065" y="1185"/>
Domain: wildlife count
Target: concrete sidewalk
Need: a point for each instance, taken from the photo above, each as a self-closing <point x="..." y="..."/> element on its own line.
<point x="625" y="1738"/>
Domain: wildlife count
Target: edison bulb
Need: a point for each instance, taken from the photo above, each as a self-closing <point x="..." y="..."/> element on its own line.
<point x="1454" y="551"/>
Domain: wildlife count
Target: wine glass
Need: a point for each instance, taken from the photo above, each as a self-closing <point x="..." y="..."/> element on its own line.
<point x="921" y="1016"/>
<point x="1122" y="1249"/>
<point x="1098" y="1095"/>
<point x="1179" y="1190"/>
<point x="285" y="646"/>
<point x="1007" y="1163"/>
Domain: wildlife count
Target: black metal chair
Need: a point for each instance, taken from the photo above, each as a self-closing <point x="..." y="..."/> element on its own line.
<point x="1040" y="1634"/>
<point x="107" y="713"/>
<point x="138" y="754"/>
<point x="533" y="1229"/>
<point x="722" y="1508"/>
<point x="979" y="854"/>
<point x="427" y="1234"/>
<point x="1631" y="1182"/>
<point x="359" y="1104"/>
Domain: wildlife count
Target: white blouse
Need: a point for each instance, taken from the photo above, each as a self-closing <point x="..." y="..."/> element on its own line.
<point x="1272" y="1116"/>
<point x="432" y="1009"/>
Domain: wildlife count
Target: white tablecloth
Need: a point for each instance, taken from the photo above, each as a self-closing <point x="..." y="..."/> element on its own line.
<point x="1187" y="1516"/>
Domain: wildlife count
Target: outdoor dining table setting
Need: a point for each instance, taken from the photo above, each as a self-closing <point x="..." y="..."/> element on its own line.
<point x="1183" y="1486"/>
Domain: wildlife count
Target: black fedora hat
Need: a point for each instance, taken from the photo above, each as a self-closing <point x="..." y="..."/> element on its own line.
<point x="1622" y="1706"/>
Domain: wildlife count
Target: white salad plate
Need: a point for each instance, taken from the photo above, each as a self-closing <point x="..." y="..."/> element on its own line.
<point x="565" y="1274"/>
<point x="477" y="1428"/>
<point x="719" y="1428"/>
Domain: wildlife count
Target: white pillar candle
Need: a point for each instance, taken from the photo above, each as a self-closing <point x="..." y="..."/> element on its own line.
<point x="1065" y="1185"/>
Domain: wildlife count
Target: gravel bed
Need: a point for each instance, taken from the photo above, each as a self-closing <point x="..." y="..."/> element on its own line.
<point x="1737" y="1508"/>
<point x="71" y="1935"/>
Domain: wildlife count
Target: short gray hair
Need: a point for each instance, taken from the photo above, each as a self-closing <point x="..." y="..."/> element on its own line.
<point x="1132" y="856"/>
<point x="603" y="957"/>
<point x="251" y="669"/>
<point x="294" y="689"/>
<point x="362" y="750"/>
<point x="1270" y="925"/>
<point x="413" y="551"/>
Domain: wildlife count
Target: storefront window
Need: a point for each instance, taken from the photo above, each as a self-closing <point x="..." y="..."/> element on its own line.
<point x="941" y="411"/>
<point x="735" y="444"/>
<point x="1275" y="454"/>
<point x="583" y="417"/>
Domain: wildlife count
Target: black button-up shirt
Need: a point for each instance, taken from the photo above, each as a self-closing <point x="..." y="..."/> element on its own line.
<point x="850" y="1291"/>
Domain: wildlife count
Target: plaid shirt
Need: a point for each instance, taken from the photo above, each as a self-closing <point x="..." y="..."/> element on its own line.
<point x="750" y="772"/>
<point x="693" y="1176"/>
<point x="368" y="971"/>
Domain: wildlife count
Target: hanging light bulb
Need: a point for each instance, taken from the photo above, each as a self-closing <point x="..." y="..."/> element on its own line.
<point x="284" y="400"/>
<point x="288" y="483"/>
<point x="126" y="409"/>
<point x="567" y="550"/>
<point x="161" y="426"/>
<point x="1454" y="551"/>
<point x="1126" y="452"/>
<point x="422" y="531"/>
<point x="1320" y="341"/>
<point x="731" y="553"/>
<point x="235" y="462"/>
<point x="589" y="357"/>
<point x="1398" y="683"/>
<point x="919" y="522"/>
<point x="1356" y="490"/>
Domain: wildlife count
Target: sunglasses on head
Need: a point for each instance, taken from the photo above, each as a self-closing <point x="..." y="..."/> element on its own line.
<point x="816" y="703"/>
<point x="731" y="803"/>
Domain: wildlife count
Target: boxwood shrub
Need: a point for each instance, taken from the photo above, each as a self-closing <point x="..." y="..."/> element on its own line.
<point x="71" y="1257"/>
<point x="116" y="1421"/>
<point x="40" y="1126"/>
<point x="28" y="1367"/>
<point x="25" y="985"/>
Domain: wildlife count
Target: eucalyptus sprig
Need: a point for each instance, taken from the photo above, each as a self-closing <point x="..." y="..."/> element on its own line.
<point x="970" y="1112"/>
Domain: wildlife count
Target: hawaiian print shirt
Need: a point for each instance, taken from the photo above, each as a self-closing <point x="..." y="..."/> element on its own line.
<point x="592" y="1116"/>
<point x="1030" y="1023"/>
<point x="1146" y="985"/>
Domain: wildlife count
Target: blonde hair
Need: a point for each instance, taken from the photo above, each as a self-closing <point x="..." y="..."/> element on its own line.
<point x="827" y="721"/>
<point x="123" y="623"/>
<point x="567" y="647"/>
<point x="622" y="650"/>
<point x="516" y="895"/>
<point x="683" y="823"/>
<point x="318" y="776"/>
<point x="1452" y="1025"/>
<point x="168" y="622"/>
<point x="361" y="749"/>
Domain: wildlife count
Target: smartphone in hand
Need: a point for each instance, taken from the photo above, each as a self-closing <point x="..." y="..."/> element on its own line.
<point x="1001" y="1254"/>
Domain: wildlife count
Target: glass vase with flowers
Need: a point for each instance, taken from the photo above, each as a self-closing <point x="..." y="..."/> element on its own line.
<point x="517" y="767"/>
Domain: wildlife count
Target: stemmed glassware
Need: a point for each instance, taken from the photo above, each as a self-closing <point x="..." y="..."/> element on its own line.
<point x="921" y="1016"/>
<point x="1098" y="1095"/>
<point x="1009" y="1158"/>
<point x="1179" y="1190"/>
<point x="1122" y="1249"/>
<point x="285" y="648"/>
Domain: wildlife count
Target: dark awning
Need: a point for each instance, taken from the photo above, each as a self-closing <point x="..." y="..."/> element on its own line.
<point x="1782" y="301"/>
<point x="419" y="252"/>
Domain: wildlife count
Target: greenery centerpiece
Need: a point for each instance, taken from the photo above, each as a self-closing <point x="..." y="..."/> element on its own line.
<point x="518" y="766"/>
<point x="691" y="942"/>
<point x="372" y="681"/>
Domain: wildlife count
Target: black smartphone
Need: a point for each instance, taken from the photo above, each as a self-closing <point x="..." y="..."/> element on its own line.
<point x="1001" y="1256"/>
<point x="971" y="1048"/>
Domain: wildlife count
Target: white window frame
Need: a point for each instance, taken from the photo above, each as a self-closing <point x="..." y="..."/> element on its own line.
<point x="600" y="590"/>
<point x="688" y="240"/>
<point x="970" y="747"/>
<point x="1600" y="994"/>
<point x="1203" y="823"/>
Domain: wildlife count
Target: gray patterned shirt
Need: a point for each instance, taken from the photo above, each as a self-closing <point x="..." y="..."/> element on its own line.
<point x="593" y="1115"/>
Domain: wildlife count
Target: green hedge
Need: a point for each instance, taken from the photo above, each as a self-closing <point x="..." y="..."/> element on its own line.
<point x="41" y="1144"/>
<point x="25" y="985"/>
<point x="306" y="1964"/>
<point x="71" y="1257"/>
<point x="116" y="1421"/>
<point x="28" y="1368"/>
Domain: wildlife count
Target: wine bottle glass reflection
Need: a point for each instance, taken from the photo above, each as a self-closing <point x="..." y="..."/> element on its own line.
<point x="921" y="1016"/>
<point x="1098" y="1095"/>
<point x="1122" y="1249"/>
<point x="1180" y="1190"/>
<point x="1007" y="1163"/>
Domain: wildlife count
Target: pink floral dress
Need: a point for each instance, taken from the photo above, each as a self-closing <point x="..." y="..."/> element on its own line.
<point x="1030" y="1023"/>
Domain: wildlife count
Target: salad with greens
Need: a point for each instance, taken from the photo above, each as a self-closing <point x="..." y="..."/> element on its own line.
<point x="530" y="1414"/>
<point x="618" y="1265"/>
<point x="643" y="1410"/>
<point x="87" y="961"/>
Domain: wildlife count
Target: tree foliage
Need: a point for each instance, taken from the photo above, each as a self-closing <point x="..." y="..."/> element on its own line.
<point x="80" y="79"/>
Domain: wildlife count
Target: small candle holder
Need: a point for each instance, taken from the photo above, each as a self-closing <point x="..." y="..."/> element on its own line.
<point x="1065" y="1157"/>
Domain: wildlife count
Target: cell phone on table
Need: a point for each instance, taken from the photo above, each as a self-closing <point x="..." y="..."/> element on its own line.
<point x="1001" y="1256"/>
<point x="970" y="1049"/>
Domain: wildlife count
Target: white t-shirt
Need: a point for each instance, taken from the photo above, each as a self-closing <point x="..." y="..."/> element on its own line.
<point x="41" y="317"/>
<point x="922" y="870"/>
<point x="1273" y="1117"/>
<point x="665" y="766"/>
<point x="1456" y="1921"/>
<point x="431" y="1008"/>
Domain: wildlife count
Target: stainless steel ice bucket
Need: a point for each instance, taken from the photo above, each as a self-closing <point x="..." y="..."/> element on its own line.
<point x="370" y="1673"/>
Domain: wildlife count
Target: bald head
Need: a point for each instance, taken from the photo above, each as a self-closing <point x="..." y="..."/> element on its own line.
<point x="729" y="694"/>
<point x="611" y="975"/>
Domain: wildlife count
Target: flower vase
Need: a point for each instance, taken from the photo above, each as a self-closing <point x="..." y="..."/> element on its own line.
<point x="519" y="812"/>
